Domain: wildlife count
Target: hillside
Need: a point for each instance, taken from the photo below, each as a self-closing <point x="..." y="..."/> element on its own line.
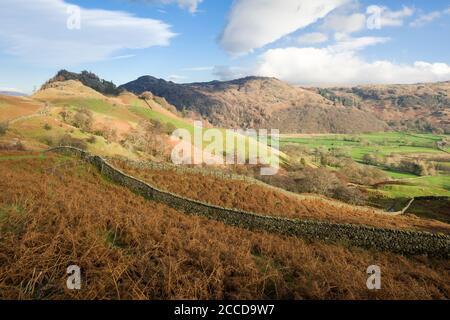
<point x="256" y="102"/>
<point x="264" y="199"/>
<point x="418" y="107"/>
<point x="56" y="211"/>
<point x="13" y="107"/>
<point x="124" y="125"/>
<point x="148" y="248"/>
<point x="68" y="112"/>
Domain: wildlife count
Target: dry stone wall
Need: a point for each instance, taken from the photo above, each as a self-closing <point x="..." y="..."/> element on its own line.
<point x="398" y="241"/>
<point x="215" y="173"/>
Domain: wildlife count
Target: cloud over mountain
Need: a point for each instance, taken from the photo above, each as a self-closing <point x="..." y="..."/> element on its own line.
<point x="344" y="66"/>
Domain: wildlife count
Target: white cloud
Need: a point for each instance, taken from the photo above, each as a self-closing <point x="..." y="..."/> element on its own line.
<point x="176" y="78"/>
<point x="253" y="24"/>
<point x="226" y="73"/>
<point x="312" y="38"/>
<point x="389" y="18"/>
<point x="37" y="31"/>
<point x="428" y="18"/>
<point x="345" y="24"/>
<point x="198" y="69"/>
<point x="328" y="66"/>
<point x="190" y="5"/>
<point x="354" y="44"/>
<point x="6" y="89"/>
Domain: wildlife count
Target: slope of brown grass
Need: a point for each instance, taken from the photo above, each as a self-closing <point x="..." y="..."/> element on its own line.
<point x="259" y="199"/>
<point x="66" y="89"/>
<point x="14" y="107"/>
<point x="56" y="212"/>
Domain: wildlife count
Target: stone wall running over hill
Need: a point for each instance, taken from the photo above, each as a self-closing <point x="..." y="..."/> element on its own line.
<point x="398" y="241"/>
<point x="215" y="173"/>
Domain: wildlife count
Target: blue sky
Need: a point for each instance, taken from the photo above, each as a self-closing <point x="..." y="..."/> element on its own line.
<point x="304" y="42"/>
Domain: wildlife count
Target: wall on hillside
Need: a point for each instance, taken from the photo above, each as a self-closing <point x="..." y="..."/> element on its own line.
<point x="398" y="241"/>
<point x="216" y="173"/>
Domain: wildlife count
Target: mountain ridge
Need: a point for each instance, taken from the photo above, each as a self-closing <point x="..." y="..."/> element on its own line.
<point x="259" y="102"/>
<point x="266" y="102"/>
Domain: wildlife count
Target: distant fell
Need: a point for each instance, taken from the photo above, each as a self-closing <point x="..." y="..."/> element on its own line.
<point x="423" y="107"/>
<point x="260" y="102"/>
<point x="12" y="93"/>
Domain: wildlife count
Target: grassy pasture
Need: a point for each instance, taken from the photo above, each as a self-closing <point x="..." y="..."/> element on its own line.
<point x="386" y="144"/>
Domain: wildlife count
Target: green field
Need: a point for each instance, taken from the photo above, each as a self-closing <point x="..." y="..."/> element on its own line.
<point x="21" y="157"/>
<point x="151" y="114"/>
<point x="442" y="181"/>
<point x="99" y="106"/>
<point x="385" y="144"/>
<point x="410" y="191"/>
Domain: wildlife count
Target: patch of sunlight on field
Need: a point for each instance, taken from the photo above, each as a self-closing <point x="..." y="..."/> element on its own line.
<point x="399" y="175"/>
<point x="147" y="113"/>
<point x="250" y="143"/>
<point x="385" y="143"/>
<point x="103" y="148"/>
<point x="409" y="191"/>
<point x="101" y="107"/>
<point x="436" y="181"/>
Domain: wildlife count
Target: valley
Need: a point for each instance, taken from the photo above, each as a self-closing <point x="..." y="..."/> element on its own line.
<point x="138" y="247"/>
<point x="240" y="158"/>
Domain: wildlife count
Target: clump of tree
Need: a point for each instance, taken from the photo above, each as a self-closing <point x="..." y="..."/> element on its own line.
<point x="146" y="95"/>
<point x="166" y="105"/>
<point x="68" y="140"/>
<point x="349" y="195"/>
<point x="65" y="114"/>
<point x="107" y="132"/>
<point x="89" y="79"/>
<point x="417" y="167"/>
<point x="91" y="139"/>
<point x="321" y="181"/>
<point x="318" y="181"/>
<point x="169" y="128"/>
<point x="362" y="175"/>
<point x="3" y="128"/>
<point x="395" y="163"/>
<point x="373" y="159"/>
<point x="148" y="137"/>
<point x="83" y="119"/>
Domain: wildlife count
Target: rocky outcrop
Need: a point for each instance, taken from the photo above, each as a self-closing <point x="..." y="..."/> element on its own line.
<point x="88" y="79"/>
